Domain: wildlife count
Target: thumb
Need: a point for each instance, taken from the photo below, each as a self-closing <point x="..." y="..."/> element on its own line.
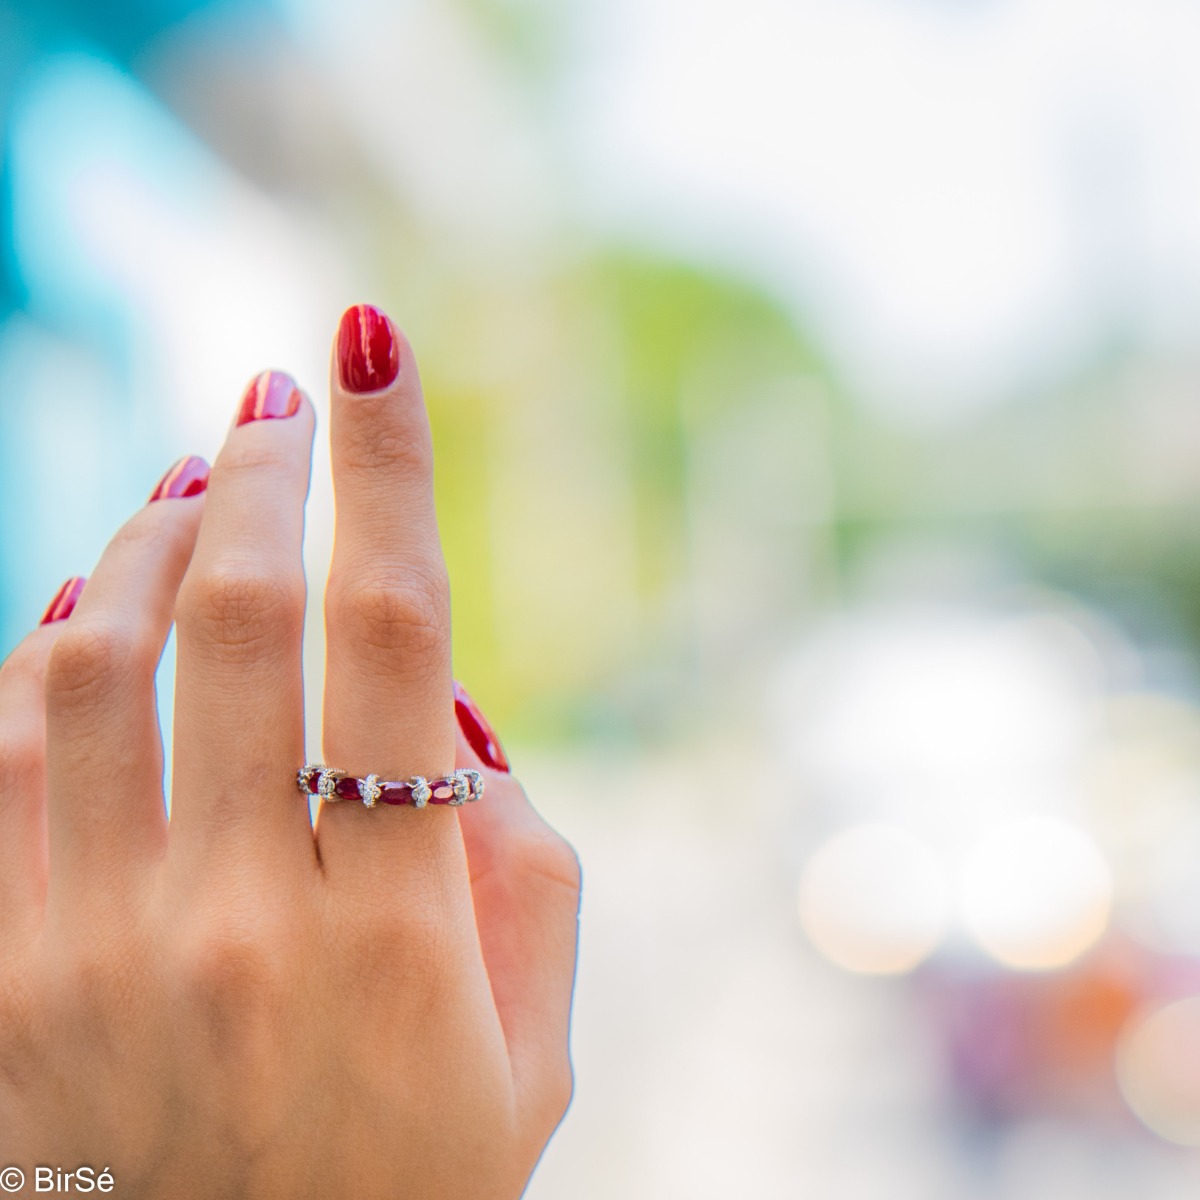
<point x="525" y="882"/>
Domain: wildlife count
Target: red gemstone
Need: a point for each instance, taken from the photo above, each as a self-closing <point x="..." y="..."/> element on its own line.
<point x="394" y="793"/>
<point x="313" y="776"/>
<point x="442" y="795"/>
<point x="347" y="788"/>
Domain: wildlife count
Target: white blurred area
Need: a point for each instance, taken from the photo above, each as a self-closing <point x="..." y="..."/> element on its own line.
<point x="970" y="732"/>
<point x="769" y="975"/>
<point x="1036" y="894"/>
<point x="964" y="195"/>
<point x="874" y="899"/>
<point x="121" y="218"/>
<point x="899" y="896"/>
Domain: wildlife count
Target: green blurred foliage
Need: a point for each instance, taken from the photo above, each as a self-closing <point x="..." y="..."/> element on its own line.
<point x="563" y="414"/>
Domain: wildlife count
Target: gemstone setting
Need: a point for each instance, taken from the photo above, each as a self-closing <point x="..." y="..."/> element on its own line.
<point x="369" y="790"/>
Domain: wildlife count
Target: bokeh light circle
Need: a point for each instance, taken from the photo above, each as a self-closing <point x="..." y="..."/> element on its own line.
<point x="1036" y="893"/>
<point x="874" y="899"/>
<point x="1158" y="1070"/>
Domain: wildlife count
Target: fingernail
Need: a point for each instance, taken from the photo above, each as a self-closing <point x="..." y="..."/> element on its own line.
<point x="368" y="357"/>
<point x="272" y="394"/>
<point x="479" y="734"/>
<point x="64" y="600"/>
<point x="188" y="477"/>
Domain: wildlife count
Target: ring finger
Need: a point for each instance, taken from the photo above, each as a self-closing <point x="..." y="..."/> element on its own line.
<point x="239" y="705"/>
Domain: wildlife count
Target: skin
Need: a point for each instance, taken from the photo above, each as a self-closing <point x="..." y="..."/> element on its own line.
<point x="233" y="1004"/>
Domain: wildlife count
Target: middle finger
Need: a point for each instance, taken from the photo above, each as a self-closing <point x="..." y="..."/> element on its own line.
<point x="388" y="689"/>
<point x="239" y="700"/>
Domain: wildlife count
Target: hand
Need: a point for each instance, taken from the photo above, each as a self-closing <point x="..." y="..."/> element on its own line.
<point x="233" y="1004"/>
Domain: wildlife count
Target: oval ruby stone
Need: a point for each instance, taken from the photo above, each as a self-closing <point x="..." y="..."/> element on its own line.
<point x="313" y="776"/>
<point x="347" y="788"/>
<point x="395" y="793"/>
<point x="442" y="795"/>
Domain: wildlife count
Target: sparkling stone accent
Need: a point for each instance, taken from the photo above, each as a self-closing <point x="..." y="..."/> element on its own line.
<point x="327" y="783"/>
<point x="462" y="788"/>
<point x="306" y="777"/>
<point x="369" y="789"/>
<point x="475" y="780"/>
<point x="421" y="791"/>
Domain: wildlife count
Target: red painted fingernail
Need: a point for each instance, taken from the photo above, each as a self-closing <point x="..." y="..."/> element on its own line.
<point x="368" y="357"/>
<point x="188" y="477"/>
<point x="64" y="600"/>
<point x="269" y="395"/>
<point x="481" y="736"/>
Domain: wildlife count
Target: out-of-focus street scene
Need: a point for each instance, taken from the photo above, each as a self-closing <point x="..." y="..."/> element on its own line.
<point x="816" y="398"/>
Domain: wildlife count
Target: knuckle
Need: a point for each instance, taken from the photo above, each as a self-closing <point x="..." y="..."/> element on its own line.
<point x="88" y="976"/>
<point x="406" y="618"/>
<point x="231" y="972"/>
<point x="156" y="534"/>
<point x="394" y="943"/>
<point x="242" y="459"/>
<point x="145" y="534"/>
<point x="231" y="966"/>
<point x="548" y="856"/>
<point x="94" y="978"/>
<point x="413" y="930"/>
<point x="419" y="934"/>
<point x="87" y="659"/>
<point x="242" y="608"/>
<point x="373" y="445"/>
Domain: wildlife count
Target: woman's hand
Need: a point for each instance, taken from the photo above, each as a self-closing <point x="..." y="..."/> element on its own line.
<point x="232" y="1004"/>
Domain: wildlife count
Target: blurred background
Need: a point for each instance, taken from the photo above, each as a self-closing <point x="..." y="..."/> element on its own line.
<point x="815" y="393"/>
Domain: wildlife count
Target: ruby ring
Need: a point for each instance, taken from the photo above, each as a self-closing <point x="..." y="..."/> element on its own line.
<point x="460" y="787"/>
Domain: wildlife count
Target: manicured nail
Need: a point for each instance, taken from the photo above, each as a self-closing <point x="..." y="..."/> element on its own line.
<point x="368" y="357"/>
<point x="64" y="600"/>
<point x="272" y="394"/>
<point x="188" y="477"/>
<point x="479" y="734"/>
